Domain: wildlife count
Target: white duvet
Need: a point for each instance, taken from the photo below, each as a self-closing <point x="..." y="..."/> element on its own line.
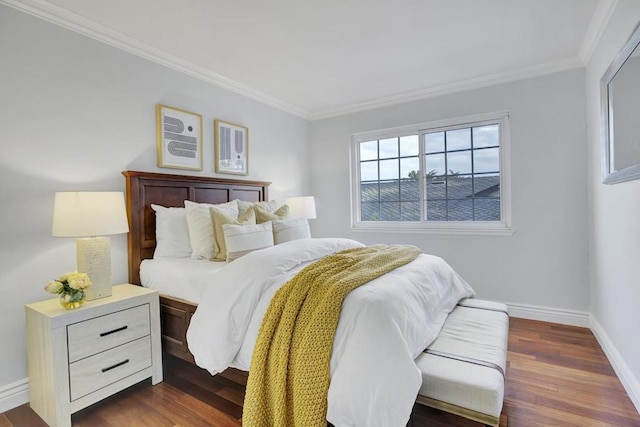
<point x="384" y="325"/>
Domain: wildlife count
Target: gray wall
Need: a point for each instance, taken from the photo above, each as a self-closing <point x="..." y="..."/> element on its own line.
<point x="74" y="114"/>
<point x="545" y="262"/>
<point x="614" y="224"/>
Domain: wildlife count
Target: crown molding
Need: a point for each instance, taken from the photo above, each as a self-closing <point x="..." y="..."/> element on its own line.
<point x="452" y="87"/>
<point x="75" y="22"/>
<point x="599" y="21"/>
<point x="72" y="21"/>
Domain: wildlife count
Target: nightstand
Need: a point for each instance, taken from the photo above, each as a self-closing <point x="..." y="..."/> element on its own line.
<point x="79" y="357"/>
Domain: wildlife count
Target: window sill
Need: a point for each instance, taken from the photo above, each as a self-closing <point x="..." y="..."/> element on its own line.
<point x="450" y="228"/>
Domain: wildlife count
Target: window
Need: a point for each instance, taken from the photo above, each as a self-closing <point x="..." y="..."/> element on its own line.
<point x="446" y="176"/>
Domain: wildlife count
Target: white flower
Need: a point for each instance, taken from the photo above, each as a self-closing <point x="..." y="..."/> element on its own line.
<point x="78" y="281"/>
<point x="53" y="287"/>
<point x="65" y="277"/>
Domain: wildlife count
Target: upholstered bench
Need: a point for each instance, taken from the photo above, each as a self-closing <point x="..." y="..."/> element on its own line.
<point x="463" y="369"/>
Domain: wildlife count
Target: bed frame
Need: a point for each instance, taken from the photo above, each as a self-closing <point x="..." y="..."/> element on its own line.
<point x="144" y="189"/>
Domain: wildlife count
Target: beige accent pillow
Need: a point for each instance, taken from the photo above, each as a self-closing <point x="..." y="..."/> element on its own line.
<point x="270" y="206"/>
<point x="218" y="218"/>
<point x="262" y="215"/>
<point x="200" y="228"/>
<point x="242" y="239"/>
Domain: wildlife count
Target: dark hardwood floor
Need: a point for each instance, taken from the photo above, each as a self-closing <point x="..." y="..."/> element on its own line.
<point x="556" y="376"/>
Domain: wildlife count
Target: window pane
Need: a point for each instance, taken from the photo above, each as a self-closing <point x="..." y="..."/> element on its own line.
<point x="486" y="160"/>
<point x="487" y="210"/>
<point x="370" y="212"/>
<point x="409" y="168"/>
<point x="369" y="150"/>
<point x="486" y="136"/>
<point x="409" y="190"/>
<point x="459" y="187"/>
<point x="434" y="165"/>
<point x="390" y="191"/>
<point x="460" y="210"/>
<point x="436" y="190"/>
<point x="389" y="169"/>
<point x="369" y="192"/>
<point x="409" y="145"/>
<point x="459" y="162"/>
<point x="487" y="185"/>
<point x="369" y="171"/>
<point x="388" y="148"/>
<point x="410" y="211"/>
<point x="390" y="211"/>
<point x="459" y="139"/>
<point x="434" y="142"/>
<point x="437" y="211"/>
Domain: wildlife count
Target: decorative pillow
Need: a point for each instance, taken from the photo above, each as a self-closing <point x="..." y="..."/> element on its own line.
<point x="262" y="215"/>
<point x="290" y="229"/>
<point x="242" y="239"/>
<point x="270" y="206"/>
<point x="201" y="228"/>
<point x="172" y="233"/>
<point x="220" y="218"/>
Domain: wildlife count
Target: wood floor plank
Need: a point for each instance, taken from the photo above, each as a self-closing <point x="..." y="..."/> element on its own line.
<point x="557" y="376"/>
<point x="4" y="421"/>
<point x="24" y="416"/>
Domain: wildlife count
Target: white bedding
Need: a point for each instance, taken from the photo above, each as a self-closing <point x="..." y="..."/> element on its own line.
<point x="383" y="327"/>
<point x="183" y="278"/>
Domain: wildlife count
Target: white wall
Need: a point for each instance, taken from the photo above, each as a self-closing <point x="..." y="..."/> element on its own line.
<point x="545" y="262"/>
<point x="74" y="114"/>
<point x="614" y="224"/>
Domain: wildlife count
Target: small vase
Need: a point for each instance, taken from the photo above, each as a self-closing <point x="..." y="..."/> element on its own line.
<point x="71" y="302"/>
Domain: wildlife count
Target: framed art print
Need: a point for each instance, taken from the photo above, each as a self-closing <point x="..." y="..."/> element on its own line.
<point x="179" y="138"/>
<point x="231" y="147"/>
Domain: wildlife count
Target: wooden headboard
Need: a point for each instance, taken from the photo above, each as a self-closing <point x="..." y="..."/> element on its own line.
<point x="145" y="188"/>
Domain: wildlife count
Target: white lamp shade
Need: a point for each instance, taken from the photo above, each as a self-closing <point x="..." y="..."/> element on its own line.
<point x="302" y="207"/>
<point x="83" y="214"/>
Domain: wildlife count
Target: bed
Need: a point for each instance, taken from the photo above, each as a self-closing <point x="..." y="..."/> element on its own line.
<point x="144" y="189"/>
<point x="353" y="376"/>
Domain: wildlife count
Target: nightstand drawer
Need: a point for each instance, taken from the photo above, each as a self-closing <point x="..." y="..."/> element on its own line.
<point x="90" y="374"/>
<point x="102" y="333"/>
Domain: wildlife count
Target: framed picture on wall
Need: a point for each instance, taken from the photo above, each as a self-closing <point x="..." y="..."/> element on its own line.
<point x="179" y="138"/>
<point x="231" y="147"/>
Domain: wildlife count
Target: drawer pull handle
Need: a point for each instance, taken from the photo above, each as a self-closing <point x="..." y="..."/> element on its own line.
<point x="104" y="334"/>
<point x="124" y="362"/>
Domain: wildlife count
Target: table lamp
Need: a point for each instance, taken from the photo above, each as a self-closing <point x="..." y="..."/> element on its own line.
<point x="91" y="216"/>
<point x="302" y="207"/>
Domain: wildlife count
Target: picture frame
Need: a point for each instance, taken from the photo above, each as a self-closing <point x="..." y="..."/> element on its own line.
<point x="231" y="148"/>
<point x="179" y="134"/>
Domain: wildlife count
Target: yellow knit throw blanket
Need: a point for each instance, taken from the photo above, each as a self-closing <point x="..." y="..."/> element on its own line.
<point x="289" y="375"/>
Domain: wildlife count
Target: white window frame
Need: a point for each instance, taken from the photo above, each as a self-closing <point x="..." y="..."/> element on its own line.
<point x="497" y="228"/>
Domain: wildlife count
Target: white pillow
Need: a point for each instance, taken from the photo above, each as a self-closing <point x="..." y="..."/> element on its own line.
<point x="201" y="228"/>
<point x="271" y="206"/>
<point x="172" y="233"/>
<point x="290" y="229"/>
<point x="242" y="239"/>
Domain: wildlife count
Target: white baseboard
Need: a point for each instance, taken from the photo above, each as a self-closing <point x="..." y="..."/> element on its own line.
<point x="630" y="383"/>
<point x="549" y="314"/>
<point x="14" y="394"/>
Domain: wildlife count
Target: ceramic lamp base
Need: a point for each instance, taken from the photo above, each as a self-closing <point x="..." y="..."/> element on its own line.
<point x="94" y="258"/>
